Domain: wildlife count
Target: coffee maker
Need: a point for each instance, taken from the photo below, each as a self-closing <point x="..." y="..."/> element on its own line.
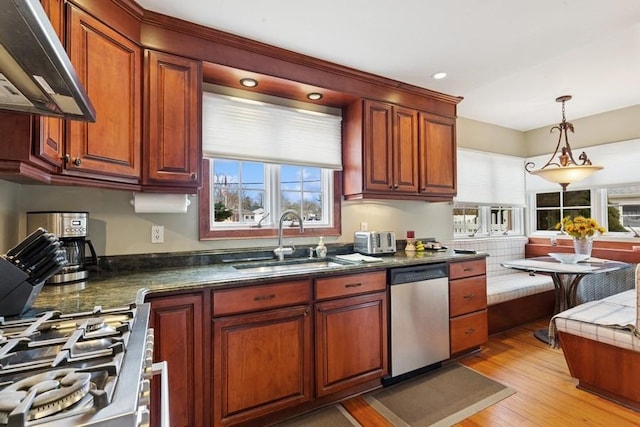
<point x="71" y="230"/>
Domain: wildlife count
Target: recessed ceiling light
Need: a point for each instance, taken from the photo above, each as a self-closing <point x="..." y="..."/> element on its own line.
<point x="249" y="82"/>
<point x="439" y="76"/>
<point x="314" y="96"/>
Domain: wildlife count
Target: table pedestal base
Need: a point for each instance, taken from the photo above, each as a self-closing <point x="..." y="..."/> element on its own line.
<point x="542" y="335"/>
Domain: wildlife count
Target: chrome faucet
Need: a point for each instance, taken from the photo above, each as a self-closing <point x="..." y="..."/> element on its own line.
<point x="280" y="252"/>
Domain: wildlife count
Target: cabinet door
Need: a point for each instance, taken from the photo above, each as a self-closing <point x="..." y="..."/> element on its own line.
<point x="378" y="149"/>
<point x="405" y="150"/>
<point x="178" y="324"/>
<point x="172" y="137"/>
<point x="437" y="155"/>
<point x="351" y="342"/>
<point x="109" y="66"/>
<point x="49" y="130"/>
<point x="468" y="331"/>
<point x="261" y="363"/>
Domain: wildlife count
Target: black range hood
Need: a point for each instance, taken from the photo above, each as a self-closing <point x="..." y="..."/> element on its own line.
<point x="36" y="75"/>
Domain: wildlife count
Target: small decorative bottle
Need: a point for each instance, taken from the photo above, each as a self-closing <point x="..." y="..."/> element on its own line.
<point x="410" y="247"/>
<point x="321" y="249"/>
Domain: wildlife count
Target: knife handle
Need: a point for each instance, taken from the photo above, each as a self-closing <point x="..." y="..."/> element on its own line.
<point x="26" y="242"/>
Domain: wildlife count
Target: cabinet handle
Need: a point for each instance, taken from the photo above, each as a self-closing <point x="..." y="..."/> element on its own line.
<point x="470" y="331"/>
<point x="468" y="269"/>
<point x="264" y="297"/>
<point x="469" y="296"/>
<point x="353" y="285"/>
<point x="77" y="161"/>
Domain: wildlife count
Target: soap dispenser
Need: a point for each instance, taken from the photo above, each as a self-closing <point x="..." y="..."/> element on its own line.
<point x="321" y="249"/>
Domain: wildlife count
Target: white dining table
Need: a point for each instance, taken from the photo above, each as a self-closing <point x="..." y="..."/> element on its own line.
<point x="566" y="278"/>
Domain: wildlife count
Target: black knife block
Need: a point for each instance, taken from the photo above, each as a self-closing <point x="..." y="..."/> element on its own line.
<point x="17" y="294"/>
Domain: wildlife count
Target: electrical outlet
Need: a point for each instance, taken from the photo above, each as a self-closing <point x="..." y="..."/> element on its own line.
<point x="364" y="226"/>
<point x="157" y="234"/>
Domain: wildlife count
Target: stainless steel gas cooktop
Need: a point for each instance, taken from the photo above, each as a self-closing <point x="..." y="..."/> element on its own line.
<point x="76" y="369"/>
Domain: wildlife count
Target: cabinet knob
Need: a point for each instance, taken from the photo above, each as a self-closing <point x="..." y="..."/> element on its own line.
<point x="77" y="161"/>
<point x="66" y="158"/>
<point x="194" y="176"/>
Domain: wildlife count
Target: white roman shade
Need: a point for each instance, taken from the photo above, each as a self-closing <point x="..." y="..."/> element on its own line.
<point x="242" y="129"/>
<point x="490" y="179"/>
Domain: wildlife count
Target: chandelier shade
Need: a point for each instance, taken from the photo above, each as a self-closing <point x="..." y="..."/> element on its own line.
<point x="565" y="170"/>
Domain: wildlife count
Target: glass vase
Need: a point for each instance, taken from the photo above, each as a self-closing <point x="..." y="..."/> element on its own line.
<point x="583" y="245"/>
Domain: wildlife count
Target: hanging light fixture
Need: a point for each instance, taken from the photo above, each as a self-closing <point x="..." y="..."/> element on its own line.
<point x="566" y="170"/>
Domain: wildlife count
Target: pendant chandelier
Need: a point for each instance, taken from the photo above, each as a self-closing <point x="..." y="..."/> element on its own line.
<point x="566" y="170"/>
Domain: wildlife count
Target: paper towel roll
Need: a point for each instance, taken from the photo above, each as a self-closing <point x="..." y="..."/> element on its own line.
<point x="160" y="203"/>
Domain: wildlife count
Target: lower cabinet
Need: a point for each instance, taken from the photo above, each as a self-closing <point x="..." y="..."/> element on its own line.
<point x="178" y="331"/>
<point x="351" y="342"/>
<point x="262" y="358"/>
<point x="270" y="355"/>
<point x="468" y="305"/>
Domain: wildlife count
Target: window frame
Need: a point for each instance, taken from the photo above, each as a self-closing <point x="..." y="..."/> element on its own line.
<point x="205" y="215"/>
<point x="599" y="211"/>
<point x="484" y="214"/>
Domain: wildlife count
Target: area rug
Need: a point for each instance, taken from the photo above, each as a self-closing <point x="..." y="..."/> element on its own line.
<point x="438" y="398"/>
<point x="332" y="416"/>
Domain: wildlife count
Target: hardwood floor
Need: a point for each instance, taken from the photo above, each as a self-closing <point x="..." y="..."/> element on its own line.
<point x="546" y="395"/>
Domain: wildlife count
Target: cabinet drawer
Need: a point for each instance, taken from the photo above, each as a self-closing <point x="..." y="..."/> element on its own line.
<point x="458" y="270"/>
<point x="467" y="295"/>
<point x="331" y="287"/>
<point x="253" y="298"/>
<point x="468" y="331"/>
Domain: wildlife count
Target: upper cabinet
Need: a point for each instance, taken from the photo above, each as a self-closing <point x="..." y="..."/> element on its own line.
<point x="172" y="137"/>
<point x="393" y="152"/>
<point x="110" y="68"/>
<point x="437" y="155"/>
<point x="390" y="139"/>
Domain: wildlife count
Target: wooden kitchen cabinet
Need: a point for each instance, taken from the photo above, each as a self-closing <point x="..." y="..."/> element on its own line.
<point x="262" y="350"/>
<point x="350" y="331"/>
<point x="391" y="148"/>
<point x="393" y="152"/>
<point x="438" y="167"/>
<point x="109" y="65"/>
<point x="179" y="339"/>
<point x="467" y="305"/>
<point x="172" y="141"/>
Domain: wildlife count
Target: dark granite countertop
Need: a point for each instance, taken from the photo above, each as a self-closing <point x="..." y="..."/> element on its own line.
<point x="121" y="289"/>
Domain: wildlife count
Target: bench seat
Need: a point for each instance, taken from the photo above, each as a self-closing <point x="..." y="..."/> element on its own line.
<point x="513" y="286"/>
<point x="601" y="344"/>
<point x="611" y="320"/>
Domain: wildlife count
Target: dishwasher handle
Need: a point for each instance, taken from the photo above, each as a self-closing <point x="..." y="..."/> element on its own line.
<point x="418" y="273"/>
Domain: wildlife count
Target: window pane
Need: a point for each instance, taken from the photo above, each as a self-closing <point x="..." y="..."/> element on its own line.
<point x="577" y="198"/>
<point x="548" y="200"/>
<point x="576" y="212"/>
<point x="466" y="220"/>
<point x="631" y="215"/>
<point x="238" y="191"/>
<point x="547" y="219"/>
<point x="301" y="190"/>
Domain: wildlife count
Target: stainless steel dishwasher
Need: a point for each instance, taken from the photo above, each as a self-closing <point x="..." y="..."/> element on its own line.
<point x="419" y="319"/>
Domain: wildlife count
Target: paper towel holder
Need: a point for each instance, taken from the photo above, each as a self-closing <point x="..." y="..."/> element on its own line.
<point x="160" y="203"/>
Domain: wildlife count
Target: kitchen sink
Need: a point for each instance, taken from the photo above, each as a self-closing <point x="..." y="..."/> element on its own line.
<point x="288" y="266"/>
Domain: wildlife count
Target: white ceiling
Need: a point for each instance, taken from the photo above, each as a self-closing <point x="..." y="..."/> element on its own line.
<point x="509" y="59"/>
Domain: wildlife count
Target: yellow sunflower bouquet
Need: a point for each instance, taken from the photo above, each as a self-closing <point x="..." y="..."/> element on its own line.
<point x="580" y="227"/>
